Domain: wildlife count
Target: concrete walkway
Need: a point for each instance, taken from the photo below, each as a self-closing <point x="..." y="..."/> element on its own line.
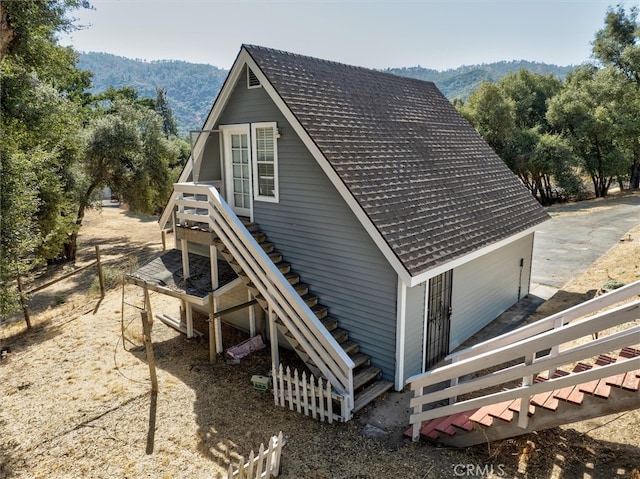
<point x="578" y="234"/>
<point x="572" y="240"/>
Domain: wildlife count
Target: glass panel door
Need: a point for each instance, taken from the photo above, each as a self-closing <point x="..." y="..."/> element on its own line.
<point x="238" y="170"/>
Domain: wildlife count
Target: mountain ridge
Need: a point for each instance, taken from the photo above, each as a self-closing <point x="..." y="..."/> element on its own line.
<point x="193" y="87"/>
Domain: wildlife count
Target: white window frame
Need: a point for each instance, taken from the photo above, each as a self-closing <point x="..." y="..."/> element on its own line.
<point x="254" y="155"/>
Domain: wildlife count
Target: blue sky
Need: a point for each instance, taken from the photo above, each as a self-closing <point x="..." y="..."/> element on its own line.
<point x="375" y="34"/>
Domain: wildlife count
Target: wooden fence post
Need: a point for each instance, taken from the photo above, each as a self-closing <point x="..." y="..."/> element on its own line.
<point x="23" y="303"/>
<point x="146" y="327"/>
<point x="164" y="240"/>
<point x="100" y="275"/>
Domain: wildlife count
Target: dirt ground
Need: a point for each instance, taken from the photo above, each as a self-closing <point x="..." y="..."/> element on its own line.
<point x="76" y="400"/>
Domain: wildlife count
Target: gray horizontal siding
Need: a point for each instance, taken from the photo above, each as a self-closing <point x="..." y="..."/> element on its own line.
<point x="323" y="240"/>
<point x="487" y="286"/>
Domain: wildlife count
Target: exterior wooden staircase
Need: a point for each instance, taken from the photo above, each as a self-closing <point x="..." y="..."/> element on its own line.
<point x="598" y="397"/>
<point x="290" y="305"/>
<point x="568" y="367"/>
<point x="367" y="383"/>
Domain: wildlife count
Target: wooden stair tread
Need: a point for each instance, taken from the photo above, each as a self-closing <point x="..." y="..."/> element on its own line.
<point x="340" y="335"/>
<point x="319" y="310"/>
<point x="310" y="298"/>
<point x="500" y="411"/>
<point x="292" y="277"/>
<point x="275" y="256"/>
<point x="364" y="375"/>
<point x="461" y="420"/>
<point x="629" y="352"/>
<point x="481" y="416"/>
<point x="572" y="394"/>
<point x="350" y="347"/>
<point x="515" y="407"/>
<point x="598" y="387"/>
<point x="547" y="399"/>
<point x="329" y="322"/>
<point x="267" y="247"/>
<point x="428" y="428"/>
<point x="371" y="392"/>
<point x="360" y="359"/>
<point x="283" y="266"/>
<point x="631" y="381"/>
<point x="301" y="288"/>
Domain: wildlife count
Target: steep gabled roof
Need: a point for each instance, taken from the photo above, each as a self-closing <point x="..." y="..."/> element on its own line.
<point x="430" y="185"/>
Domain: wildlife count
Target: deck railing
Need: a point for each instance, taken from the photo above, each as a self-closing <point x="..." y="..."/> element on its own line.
<point x="516" y="358"/>
<point x="204" y="204"/>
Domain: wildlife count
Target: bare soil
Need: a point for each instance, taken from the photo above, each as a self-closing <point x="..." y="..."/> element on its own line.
<point x="76" y="401"/>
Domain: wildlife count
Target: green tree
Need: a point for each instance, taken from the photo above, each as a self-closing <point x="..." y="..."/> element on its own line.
<point x="618" y="45"/>
<point x="493" y="115"/>
<point x="511" y="116"/>
<point x="127" y="151"/>
<point x="584" y="113"/>
<point x="169" y="124"/>
<point x="41" y="112"/>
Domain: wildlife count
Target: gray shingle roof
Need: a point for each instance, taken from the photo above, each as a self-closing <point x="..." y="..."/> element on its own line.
<point x="429" y="183"/>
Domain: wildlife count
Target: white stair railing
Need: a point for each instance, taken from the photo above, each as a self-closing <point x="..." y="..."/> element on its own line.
<point x="288" y="306"/>
<point x="536" y="351"/>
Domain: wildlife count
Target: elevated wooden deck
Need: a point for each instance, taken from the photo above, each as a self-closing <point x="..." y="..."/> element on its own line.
<point x="165" y="275"/>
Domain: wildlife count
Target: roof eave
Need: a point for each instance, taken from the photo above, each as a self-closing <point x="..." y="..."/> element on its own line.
<point x="436" y="270"/>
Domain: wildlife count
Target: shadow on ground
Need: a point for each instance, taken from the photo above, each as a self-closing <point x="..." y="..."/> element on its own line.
<point x="233" y="418"/>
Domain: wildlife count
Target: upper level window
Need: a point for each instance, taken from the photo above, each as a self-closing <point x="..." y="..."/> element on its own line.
<point x="265" y="165"/>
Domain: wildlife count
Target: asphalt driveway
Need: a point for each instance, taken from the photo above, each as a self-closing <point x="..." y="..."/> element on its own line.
<point x="578" y="234"/>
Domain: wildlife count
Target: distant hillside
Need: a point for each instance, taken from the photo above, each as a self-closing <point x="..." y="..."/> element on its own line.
<point x="192" y="87"/>
<point x="461" y="81"/>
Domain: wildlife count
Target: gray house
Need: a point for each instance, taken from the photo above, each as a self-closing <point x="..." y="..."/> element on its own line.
<point x="392" y="231"/>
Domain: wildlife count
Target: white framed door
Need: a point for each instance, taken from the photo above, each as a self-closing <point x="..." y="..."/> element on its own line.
<point x="237" y="165"/>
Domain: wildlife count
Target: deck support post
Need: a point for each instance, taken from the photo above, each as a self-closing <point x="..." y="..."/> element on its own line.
<point x="146" y="328"/>
<point x="185" y="258"/>
<point x="189" y="319"/>
<point x="252" y="316"/>
<point x="147" y="302"/>
<point x="213" y="258"/>
<point x="275" y="353"/>
<point x="212" y="329"/>
<point x="217" y="322"/>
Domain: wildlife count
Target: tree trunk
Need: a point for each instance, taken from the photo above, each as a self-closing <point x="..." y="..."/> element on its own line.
<point x="7" y="34"/>
<point x="634" y="180"/>
<point x="71" y="246"/>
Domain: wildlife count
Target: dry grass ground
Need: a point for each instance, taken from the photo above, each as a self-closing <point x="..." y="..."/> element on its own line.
<point x="76" y="403"/>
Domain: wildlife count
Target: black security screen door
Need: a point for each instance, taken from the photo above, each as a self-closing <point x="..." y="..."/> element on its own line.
<point x="438" y="324"/>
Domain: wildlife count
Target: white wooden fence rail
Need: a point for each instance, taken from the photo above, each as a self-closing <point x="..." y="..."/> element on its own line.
<point x="305" y="394"/>
<point x="528" y="357"/>
<point x="264" y="465"/>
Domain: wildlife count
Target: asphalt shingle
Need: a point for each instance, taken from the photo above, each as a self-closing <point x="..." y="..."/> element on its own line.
<point x="429" y="183"/>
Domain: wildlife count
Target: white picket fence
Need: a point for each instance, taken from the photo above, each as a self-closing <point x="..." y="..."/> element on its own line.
<point x="264" y="465"/>
<point x="306" y="395"/>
